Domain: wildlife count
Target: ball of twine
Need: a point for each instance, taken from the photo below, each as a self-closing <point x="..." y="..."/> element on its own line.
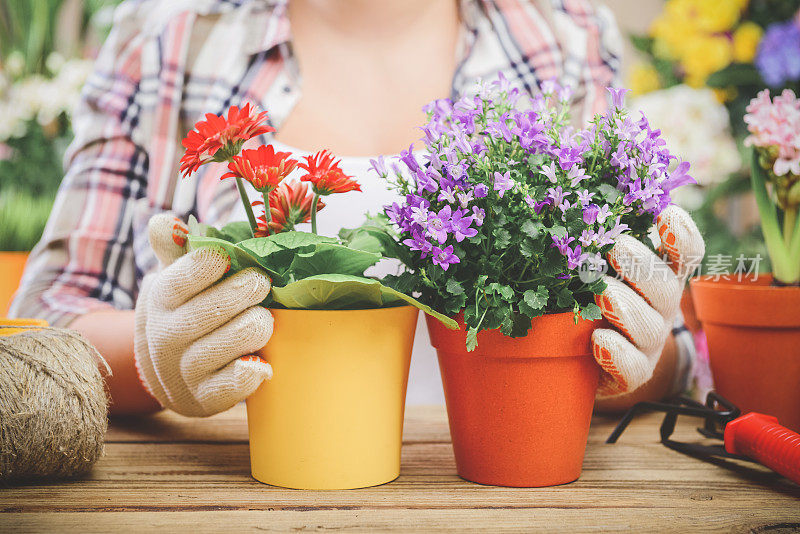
<point x="53" y="406"/>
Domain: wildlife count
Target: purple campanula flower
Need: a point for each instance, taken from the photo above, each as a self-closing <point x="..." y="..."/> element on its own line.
<point x="503" y="182"/>
<point x="584" y="197"/>
<point x="617" y="97"/>
<point x="539" y="206"/>
<point x="777" y="58"/>
<point x="564" y="206"/>
<point x="562" y="243"/>
<point x="438" y="223"/>
<point x="576" y="175"/>
<point x="407" y="157"/>
<point x="379" y="166"/>
<point x="590" y="213"/>
<point x="529" y="200"/>
<point x="549" y="171"/>
<point x="448" y="195"/>
<point x="556" y="195"/>
<point x="569" y="156"/>
<point x="587" y="237"/>
<point x="574" y="257"/>
<point x="678" y="177"/>
<point x="499" y="128"/>
<point x="603" y="213"/>
<point x="479" y="215"/>
<point x="460" y="226"/>
<point x="418" y="243"/>
<point x="427" y="179"/>
<point x="444" y="257"/>
<point x="481" y="190"/>
<point x="464" y="198"/>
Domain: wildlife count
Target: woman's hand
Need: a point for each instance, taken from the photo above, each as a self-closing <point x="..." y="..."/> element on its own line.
<point x="195" y="337"/>
<point x="642" y="306"/>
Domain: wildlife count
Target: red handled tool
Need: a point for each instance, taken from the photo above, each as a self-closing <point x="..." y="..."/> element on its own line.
<point x="753" y="437"/>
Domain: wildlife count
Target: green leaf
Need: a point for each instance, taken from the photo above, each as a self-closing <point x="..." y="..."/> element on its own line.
<point x="532" y="228"/>
<point x="240" y="258"/>
<point x="536" y="299"/>
<point x="528" y="248"/>
<point x="331" y="258"/>
<point x="237" y="231"/>
<point x="330" y="291"/>
<point x="502" y="238"/>
<point x="454" y="287"/>
<point x="557" y="231"/>
<point x="472" y="339"/>
<point x="498" y="289"/>
<point x="736" y="74"/>
<point x="339" y="291"/>
<point x="276" y="252"/>
<point x="642" y="43"/>
<point x="591" y="312"/>
<point x="564" y="298"/>
<point x="609" y="192"/>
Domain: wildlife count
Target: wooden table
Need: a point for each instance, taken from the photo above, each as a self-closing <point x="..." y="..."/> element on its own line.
<point x="172" y="473"/>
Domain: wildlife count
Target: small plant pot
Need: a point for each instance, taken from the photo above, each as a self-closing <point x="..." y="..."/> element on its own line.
<point x="331" y="417"/>
<point x="11" y="266"/>
<point x="753" y="332"/>
<point x="519" y="408"/>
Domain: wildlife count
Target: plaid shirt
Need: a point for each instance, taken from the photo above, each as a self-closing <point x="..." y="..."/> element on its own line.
<point x="168" y="62"/>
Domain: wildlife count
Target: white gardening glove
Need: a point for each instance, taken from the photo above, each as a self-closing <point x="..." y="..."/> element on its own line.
<point x="195" y="337"/>
<point x="644" y="304"/>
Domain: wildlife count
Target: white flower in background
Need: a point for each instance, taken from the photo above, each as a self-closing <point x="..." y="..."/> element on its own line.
<point x="696" y="126"/>
<point x="39" y="98"/>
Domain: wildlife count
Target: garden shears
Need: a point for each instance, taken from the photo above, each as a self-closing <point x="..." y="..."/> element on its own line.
<point x="752" y="437"/>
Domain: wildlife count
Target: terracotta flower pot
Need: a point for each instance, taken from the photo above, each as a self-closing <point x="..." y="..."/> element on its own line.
<point x="11" y="266"/>
<point x="331" y="417"/>
<point x="519" y="409"/>
<point x="753" y="332"/>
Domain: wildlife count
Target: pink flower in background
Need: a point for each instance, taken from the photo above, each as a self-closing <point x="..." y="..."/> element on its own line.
<point x="776" y="123"/>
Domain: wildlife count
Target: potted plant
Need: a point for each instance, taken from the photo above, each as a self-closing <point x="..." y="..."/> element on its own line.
<point x="505" y="224"/>
<point x="331" y="417"/>
<point x="752" y="322"/>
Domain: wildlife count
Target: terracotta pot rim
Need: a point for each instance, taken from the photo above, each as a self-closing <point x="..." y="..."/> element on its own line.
<point x="744" y="284"/>
<point x="745" y="304"/>
<point x="546" y="341"/>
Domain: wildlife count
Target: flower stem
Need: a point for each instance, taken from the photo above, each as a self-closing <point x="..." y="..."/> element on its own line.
<point x="789" y="220"/>
<point x="267" y="212"/>
<point x="314" y="204"/>
<point x="769" y="225"/>
<point x="248" y="209"/>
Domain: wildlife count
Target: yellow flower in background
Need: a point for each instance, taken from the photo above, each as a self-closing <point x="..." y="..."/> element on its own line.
<point x="716" y="16"/>
<point x="643" y="78"/>
<point x="745" y="41"/>
<point x="705" y="55"/>
<point x="725" y="94"/>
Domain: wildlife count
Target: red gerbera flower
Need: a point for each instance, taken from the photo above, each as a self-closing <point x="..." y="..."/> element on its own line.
<point x="218" y="138"/>
<point x="325" y="175"/>
<point x="262" y="167"/>
<point x="290" y="205"/>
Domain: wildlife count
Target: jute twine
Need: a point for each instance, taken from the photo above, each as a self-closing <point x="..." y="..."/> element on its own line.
<point x="53" y="407"/>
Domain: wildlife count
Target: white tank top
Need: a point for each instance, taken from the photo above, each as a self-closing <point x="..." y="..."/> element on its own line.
<point x="348" y="210"/>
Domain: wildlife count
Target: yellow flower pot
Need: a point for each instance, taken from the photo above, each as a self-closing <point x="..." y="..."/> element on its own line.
<point x="332" y="415"/>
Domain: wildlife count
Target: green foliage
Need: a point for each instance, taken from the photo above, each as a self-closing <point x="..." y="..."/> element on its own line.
<point x="310" y="271"/>
<point x="22" y="219"/>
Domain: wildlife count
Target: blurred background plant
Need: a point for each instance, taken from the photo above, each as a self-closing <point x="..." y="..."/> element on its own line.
<point x="46" y="51"/>
<point x="703" y="61"/>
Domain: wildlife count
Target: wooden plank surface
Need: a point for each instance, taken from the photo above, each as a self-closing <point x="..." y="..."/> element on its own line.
<point x="177" y="474"/>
